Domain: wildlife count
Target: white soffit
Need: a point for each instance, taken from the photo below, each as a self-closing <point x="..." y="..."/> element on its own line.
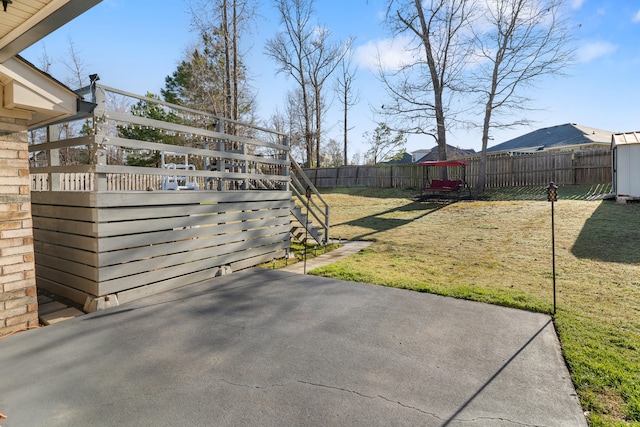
<point x="28" y="21"/>
<point x="27" y="90"/>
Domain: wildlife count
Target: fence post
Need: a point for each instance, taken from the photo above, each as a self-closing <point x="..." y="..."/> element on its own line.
<point x="220" y="161"/>
<point x="53" y="157"/>
<point x="286" y="169"/>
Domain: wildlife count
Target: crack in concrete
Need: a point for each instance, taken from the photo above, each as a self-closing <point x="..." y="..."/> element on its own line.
<point x="357" y="393"/>
<point x="473" y="420"/>
<point x="431" y="414"/>
<point x="336" y="388"/>
<point x="373" y="397"/>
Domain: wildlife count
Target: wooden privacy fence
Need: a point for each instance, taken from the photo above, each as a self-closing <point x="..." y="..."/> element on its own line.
<point x="592" y="166"/>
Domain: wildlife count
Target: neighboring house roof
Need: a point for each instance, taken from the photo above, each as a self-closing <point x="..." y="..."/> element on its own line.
<point x="555" y="137"/>
<point x="405" y="160"/>
<point x="452" y="153"/>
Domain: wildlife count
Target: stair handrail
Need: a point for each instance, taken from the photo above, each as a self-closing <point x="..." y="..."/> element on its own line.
<point x="320" y="212"/>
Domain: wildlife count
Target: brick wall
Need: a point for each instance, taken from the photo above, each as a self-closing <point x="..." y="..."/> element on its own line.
<point x="18" y="299"/>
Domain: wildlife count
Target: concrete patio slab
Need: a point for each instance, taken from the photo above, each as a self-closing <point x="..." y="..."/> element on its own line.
<point x="274" y="348"/>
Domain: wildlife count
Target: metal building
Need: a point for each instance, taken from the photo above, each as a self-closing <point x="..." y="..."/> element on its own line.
<point x="625" y="149"/>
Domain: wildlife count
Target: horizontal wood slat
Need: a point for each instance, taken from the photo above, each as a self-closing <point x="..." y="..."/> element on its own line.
<point x="107" y="242"/>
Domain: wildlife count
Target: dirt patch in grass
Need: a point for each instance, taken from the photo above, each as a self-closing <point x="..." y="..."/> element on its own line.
<point x="498" y="250"/>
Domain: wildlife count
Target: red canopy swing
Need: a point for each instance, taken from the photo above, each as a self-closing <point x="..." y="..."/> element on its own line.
<point x="445" y="185"/>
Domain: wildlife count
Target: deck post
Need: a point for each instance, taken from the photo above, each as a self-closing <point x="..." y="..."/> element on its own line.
<point x="286" y="170"/>
<point x="220" y="162"/>
<point x="53" y="158"/>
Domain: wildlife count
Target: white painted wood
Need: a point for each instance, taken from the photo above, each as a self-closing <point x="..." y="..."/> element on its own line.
<point x="66" y="279"/>
<point x="67" y="266"/>
<point x="137" y="239"/>
<point x="65" y="252"/>
<point x="166" y="285"/>
<point x="68" y="240"/>
<point x="166" y="248"/>
<point x="169" y="260"/>
<point x="63" y="143"/>
<point x="63" y="291"/>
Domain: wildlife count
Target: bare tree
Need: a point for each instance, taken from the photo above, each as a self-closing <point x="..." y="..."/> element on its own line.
<point x="289" y="49"/>
<point x="520" y="41"/>
<point x="305" y="52"/>
<point x="297" y="134"/>
<point x="45" y="61"/>
<point x="221" y="24"/>
<point x="290" y="122"/>
<point x="76" y="68"/>
<point x="422" y="89"/>
<point x="77" y="77"/>
<point x="323" y="59"/>
<point x="347" y="94"/>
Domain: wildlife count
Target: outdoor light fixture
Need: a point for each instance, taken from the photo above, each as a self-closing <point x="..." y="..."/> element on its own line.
<point x="5" y="3"/>
<point x="552" y="192"/>
<point x="552" y="196"/>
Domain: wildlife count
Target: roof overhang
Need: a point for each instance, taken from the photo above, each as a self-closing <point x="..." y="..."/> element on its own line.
<point x="445" y="163"/>
<point x="27" y="93"/>
<point x="28" y="21"/>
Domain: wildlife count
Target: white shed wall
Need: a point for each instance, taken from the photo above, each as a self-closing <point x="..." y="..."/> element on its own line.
<point x="627" y="170"/>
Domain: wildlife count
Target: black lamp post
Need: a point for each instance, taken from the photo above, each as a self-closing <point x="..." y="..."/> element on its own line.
<point x="552" y="196"/>
<point x="306" y="228"/>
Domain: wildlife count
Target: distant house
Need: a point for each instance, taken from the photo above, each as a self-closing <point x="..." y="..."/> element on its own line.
<point x="405" y="160"/>
<point x="566" y="136"/>
<point x="426" y="155"/>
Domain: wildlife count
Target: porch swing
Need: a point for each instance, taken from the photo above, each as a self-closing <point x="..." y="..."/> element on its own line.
<point x="445" y="186"/>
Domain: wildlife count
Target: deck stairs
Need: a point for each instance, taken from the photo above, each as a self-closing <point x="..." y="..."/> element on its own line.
<point x="311" y="233"/>
<point x="309" y="213"/>
<point x="309" y="219"/>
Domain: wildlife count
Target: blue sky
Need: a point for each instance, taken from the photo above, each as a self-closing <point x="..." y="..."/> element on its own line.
<point x="134" y="45"/>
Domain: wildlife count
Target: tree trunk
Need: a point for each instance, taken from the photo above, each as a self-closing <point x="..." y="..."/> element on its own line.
<point x="318" y="123"/>
<point x="227" y="60"/>
<point x="235" y="113"/>
<point x="345" y="129"/>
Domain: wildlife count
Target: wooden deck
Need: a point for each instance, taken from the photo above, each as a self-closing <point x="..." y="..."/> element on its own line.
<point x="94" y="237"/>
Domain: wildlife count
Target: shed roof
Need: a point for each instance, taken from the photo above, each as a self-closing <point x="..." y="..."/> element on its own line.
<point x="626" y="138"/>
<point x="554" y="137"/>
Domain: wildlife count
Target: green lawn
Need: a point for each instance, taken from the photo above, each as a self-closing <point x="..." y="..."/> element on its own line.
<point x="498" y="250"/>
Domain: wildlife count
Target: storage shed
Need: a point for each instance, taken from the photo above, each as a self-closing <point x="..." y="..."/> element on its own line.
<point x="625" y="149"/>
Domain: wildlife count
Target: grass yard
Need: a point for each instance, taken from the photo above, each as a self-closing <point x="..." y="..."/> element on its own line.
<point x="499" y="251"/>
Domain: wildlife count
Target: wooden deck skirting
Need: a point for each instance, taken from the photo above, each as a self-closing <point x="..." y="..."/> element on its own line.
<point x="136" y="243"/>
